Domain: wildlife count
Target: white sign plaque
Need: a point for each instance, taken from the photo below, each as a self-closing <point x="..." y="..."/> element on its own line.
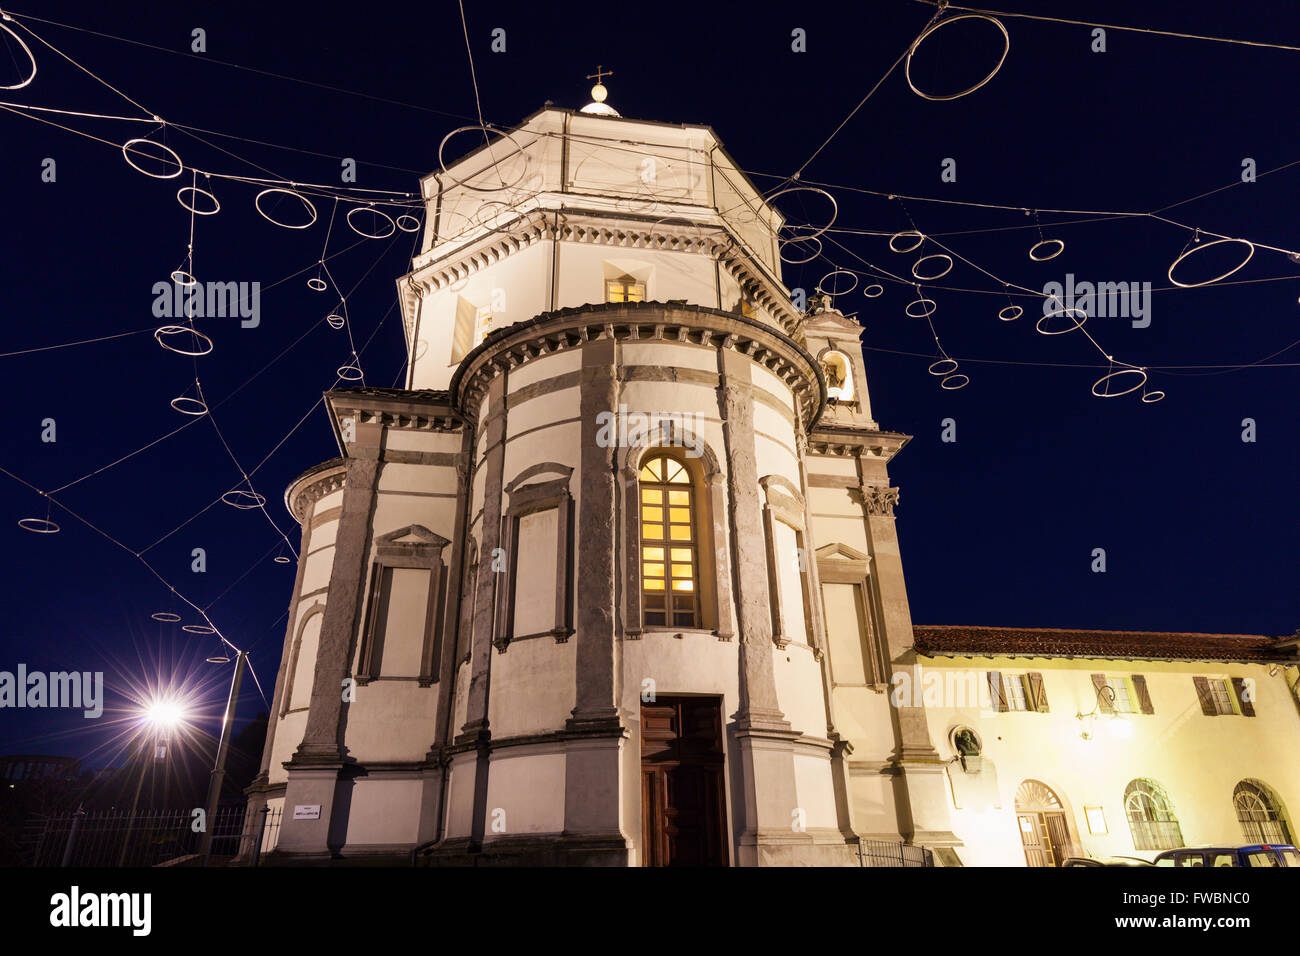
<point x="302" y="812"/>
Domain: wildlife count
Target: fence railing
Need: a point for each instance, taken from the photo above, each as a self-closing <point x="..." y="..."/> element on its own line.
<point x="146" y="838"/>
<point x="887" y="853"/>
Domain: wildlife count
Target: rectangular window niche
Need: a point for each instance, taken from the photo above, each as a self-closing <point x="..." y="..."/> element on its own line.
<point x="536" y="536"/>
<point x="407" y="585"/>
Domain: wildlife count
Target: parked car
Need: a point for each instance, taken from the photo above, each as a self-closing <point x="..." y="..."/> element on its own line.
<point x="1105" y="861"/>
<point x="1255" y="854"/>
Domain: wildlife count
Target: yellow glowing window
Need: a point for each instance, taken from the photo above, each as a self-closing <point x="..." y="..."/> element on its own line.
<point x="626" y="289"/>
<point x="669" y="568"/>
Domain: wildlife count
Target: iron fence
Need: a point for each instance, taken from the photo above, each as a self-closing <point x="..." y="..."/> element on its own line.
<point x="109" y="838"/>
<point x="887" y="853"/>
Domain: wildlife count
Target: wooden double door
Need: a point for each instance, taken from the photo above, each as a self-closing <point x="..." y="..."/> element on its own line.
<point x="683" y="815"/>
<point x="1046" y="837"/>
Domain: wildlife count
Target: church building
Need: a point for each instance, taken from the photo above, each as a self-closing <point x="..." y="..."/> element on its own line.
<point x="615" y="580"/>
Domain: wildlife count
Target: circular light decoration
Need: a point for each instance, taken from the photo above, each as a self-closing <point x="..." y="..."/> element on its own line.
<point x="184" y="279"/>
<point x="835" y="211"/>
<point x="281" y="559"/>
<point x="869" y="294"/>
<point x="220" y="657"/>
<point x="170" y="330"/>
<point x="1107" y="393"/>
<point x="942" y="371"/>
<point x="335" y="320"/>
<point x="38" y="525"/>
<point x="782" y="243"/>
<point x="927" y="308"/>
<point x="1079" y="317"/>
<point x="127" y="150"/>
<point x="167" y="617"/>
<point x="954" y="382"/>
<point x="244" y="500"/>
<point x="1250" y="251"/>
<point x="1150" y="398"/>
<point x="937" y="275"/>
<point x="523" y="171"/>
<point x="198" y="629"/>
<point x="189" y="406"/>
<point x="906" y="234"/>
<point x="835" y="273"/>
<point x="407" y="223"/>
<point x="317" y="284"/>
<point x="350" y="373"/>
<point x="1039" y="250"/>
<point x="1011" y="313"/>
<point x="195" y="192"/>
<point x="306" y="204"/>
<point x="26" y="49"/>
<point x="382" y="221"/>
<point x="1006" y="47"/>
<point x="421" y="347"/>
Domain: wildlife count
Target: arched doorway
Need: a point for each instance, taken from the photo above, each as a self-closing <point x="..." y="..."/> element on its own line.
<point x="1260" y="813"/>
<point x="1044" y="825"/>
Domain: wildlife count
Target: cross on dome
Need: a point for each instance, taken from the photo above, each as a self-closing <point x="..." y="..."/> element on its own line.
<point x="599" y="93"/>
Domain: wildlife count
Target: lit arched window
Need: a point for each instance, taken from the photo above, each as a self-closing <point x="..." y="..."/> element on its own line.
<point x="669" y="557"/>
<point x="1260" y="813"/>
<point x="839" y="376"/>
<point x="1151" y="816"/>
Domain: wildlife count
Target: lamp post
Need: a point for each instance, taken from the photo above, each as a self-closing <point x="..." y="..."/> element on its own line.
<point x="161" y="716"/>
<point x="219" y="768"/>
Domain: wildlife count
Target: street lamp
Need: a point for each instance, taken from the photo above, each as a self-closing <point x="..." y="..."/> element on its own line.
<point x="160" y="717"/>
<point x="219" y="768"/>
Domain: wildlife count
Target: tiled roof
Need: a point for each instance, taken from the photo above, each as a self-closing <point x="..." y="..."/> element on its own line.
<point x="935" y="641"/>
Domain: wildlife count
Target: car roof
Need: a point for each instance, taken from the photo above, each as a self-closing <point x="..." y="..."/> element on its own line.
<point x="1231" y="848"/>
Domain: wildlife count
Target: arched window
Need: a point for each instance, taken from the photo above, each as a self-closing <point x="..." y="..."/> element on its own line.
<point x="670" y="582"/>
<point x="1151" y="817"/>
<point x="1260" y="813"/>
<point x="1044" y="825"/>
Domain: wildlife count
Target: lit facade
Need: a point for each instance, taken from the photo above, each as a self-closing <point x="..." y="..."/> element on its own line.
<point x="615" y="580"/>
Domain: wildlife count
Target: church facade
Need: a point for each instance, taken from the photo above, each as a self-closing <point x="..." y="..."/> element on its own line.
<point x="614" y="580"/>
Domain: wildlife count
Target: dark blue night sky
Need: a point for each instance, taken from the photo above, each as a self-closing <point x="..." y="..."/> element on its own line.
<point x="997" y="528"/>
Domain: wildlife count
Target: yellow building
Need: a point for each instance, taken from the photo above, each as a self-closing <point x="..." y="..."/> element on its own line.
<point x="1109" y="743"/>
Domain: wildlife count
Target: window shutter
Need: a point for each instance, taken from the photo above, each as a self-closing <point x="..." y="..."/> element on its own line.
<point x="997" y="696"/>
<point x="1247" y="706"/>
<point x="1104" y="701"/>
<point x="1206" y="698"/>
<point x="1036" y="692"/>
<point x="1143" y="694"/>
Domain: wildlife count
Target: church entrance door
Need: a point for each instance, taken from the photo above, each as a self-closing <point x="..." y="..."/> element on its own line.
<point x="683" y="818"/>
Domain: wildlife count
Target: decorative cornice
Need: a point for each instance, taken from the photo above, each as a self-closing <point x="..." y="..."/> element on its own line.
<point x="313" y="485"/>
<point x="564" y="329"/>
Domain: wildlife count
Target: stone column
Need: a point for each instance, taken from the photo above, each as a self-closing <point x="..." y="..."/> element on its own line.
<point x="257" y="790"/>
<point x="475" y="736"/>
<point x="766" y="796"/>
<point x="594" y="733"/>
<point x="314" y="769"/>
<point x="922" y="789"/>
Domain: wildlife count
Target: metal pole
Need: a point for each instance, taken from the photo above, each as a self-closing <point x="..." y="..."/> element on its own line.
<point x="219" y="769"/>
<point x="130" y="821"/>
<point x="72" y="836"/>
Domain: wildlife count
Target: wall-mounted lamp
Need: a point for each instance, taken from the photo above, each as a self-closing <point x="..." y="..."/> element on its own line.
<point x="1116" y="726"/>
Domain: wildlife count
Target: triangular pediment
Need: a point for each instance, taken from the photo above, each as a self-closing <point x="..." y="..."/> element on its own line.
<point x="413" y="534"/>
<point x="841" y="552"/>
